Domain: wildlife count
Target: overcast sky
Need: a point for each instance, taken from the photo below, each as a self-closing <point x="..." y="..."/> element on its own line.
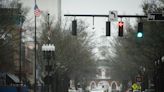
<point x="89" y="6"/>
<point x="102" y="6"/>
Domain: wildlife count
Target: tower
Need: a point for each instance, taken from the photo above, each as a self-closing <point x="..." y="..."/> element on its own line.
<point x="57" y="9"/>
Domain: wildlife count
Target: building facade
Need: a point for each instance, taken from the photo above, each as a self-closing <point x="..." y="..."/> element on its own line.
<point x="57" y="9"/>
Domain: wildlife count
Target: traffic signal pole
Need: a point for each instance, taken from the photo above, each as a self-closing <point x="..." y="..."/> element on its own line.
<point x="97" y="15"/>
<point x="120" y="33"/>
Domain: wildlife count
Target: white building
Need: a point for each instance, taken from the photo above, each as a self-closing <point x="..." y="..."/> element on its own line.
<point x="57" y="9"/>
<point x="8" y="3"/>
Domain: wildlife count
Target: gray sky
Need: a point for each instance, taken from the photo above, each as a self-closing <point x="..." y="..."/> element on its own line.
<point x="89" y="6"/>
<point x="101" y="6"/>
<point x="44" y="5"/>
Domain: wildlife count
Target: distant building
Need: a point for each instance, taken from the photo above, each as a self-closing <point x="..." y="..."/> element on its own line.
<point x="7" y="18"/>
<point x="57" y="9"/>
<point x="103" y="81"/>
<point x="9" y="10"/>
<point x="28" y="68"/>
<point x="29" y="61"/>
<point x="8" y="3"/>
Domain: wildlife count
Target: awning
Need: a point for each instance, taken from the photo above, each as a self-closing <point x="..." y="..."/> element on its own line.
<point x="13" y="77"/>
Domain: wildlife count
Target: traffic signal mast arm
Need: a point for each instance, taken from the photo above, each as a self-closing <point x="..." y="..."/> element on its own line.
<point x="120" y="25"/>
<point x="96" y="15"/>
<point x="113" y="17"/>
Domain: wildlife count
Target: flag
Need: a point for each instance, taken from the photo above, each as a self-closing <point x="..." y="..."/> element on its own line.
<point x="37" y="11"/>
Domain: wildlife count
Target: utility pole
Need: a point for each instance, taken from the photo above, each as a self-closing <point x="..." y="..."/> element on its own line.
<point x="20" y="51"/>
<point x="35" y="58"/>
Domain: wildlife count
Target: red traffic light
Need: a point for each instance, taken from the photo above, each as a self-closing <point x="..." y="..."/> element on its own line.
<point x="120" y="23"/>
<point x="120" y="28"/>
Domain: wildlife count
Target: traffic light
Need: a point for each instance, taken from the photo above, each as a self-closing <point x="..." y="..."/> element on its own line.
<point x="74" y="27"/>
<point x="140" y="30"/>
<point x="108" y="28"/>
<point x="120" y="28"/>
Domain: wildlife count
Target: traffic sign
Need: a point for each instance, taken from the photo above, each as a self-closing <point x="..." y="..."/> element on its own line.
<point x="155" y="17"/>
<point x="136" y="87"/>
<point x="113" y="15"/>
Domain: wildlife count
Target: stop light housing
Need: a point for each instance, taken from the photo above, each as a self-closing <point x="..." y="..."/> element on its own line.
<point x="140" y="30"/>
<point x="108" y="28"/>
<point x="74" y="27"/>
<point x="120" y="28"/>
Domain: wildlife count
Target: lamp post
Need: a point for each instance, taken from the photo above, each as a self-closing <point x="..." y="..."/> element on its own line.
<point x="162" y="59"/>
<point x="159" y="76"/>
<point x="162" y="73"/>
<point x="48" y="51"/>
<point x="20" y="51"/>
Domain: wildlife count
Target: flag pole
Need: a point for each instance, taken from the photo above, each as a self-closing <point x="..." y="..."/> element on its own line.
<point x="35" y="56"/>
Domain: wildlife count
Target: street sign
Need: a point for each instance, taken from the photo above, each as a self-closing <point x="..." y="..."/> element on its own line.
<point x="136" y="87"/>
<point x="155" y="17"/>
<point x="113" y="16"/>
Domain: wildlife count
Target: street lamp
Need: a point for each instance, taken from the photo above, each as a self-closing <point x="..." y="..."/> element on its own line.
<point x="162" y="73"/>
<point x="20" y="51"/>
<point x="48" y="51"/>
<point x="159" y="74"/>
<point x="162" y="59"/>
<point x="142" y="69"/>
